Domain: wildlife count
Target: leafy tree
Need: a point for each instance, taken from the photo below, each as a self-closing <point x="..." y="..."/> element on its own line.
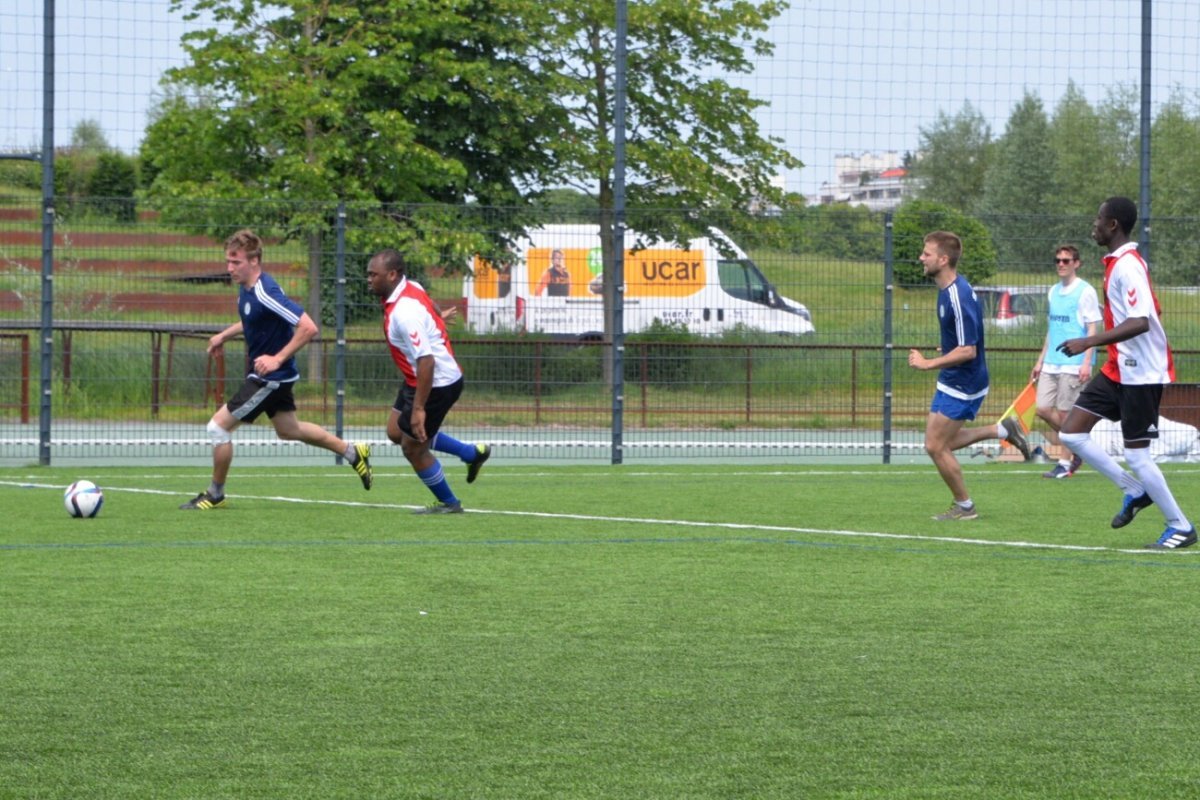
<point x="25" y="174"/>
<point x="112" y="186"/>
<point x="1096" y="156"/>
<point x="1174" y="244"/>
<point x="692" y="142"/>
<point x="87" y="136"/>
<point x="290" y="105"/>
<point x="75" y="164"/>
<point x="399" y="101"/>
<point x="955" y="153"/>
<point x="1021" y="195"/>
<point x="790" y="229"/>
<point x="916" y="218"/>
<point x="840" y="230"/>
<point x="1079" y="151"/>
<point x="569" y="206"/>
<point x="1120" y="134"/>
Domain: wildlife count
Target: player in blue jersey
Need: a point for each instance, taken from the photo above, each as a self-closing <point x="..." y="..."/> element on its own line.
<point x="1073" y="311"/>
<point x="275" y="328"/>
<point x="962" y="374"/>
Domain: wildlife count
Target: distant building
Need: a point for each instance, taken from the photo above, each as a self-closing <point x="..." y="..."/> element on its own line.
<point x="877" y="181"/>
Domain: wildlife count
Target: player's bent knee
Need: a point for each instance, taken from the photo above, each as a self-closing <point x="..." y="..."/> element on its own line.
<point x="217" y="434"/>
<point x="413" y="450"/>
<point x="289" y="434"/>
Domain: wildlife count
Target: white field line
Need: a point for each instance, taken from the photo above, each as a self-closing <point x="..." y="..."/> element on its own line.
<point x="254" y="473"/>
<point x="729" y="526"/>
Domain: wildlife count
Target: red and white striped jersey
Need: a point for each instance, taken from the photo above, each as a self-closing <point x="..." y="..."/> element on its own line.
<point x="414" y="329"/>
<point x="1144" y="359"/>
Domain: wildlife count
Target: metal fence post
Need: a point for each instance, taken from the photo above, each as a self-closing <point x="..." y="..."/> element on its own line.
<point x="1146" y="127"/>
<point x="888" y="343"/>
<point x="618" y="244"/>
<point x="45" y="416"/>
<point x="339" y="311"/>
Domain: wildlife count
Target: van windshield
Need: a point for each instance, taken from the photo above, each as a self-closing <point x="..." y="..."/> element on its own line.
<point x="741" y="279"/>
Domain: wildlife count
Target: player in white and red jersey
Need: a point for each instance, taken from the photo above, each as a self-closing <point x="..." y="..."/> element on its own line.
<point x="1130" y="385"/>
<point x="433" y="381"/>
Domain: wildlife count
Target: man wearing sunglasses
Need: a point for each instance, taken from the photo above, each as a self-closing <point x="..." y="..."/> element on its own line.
<point x="1074" y="312"/>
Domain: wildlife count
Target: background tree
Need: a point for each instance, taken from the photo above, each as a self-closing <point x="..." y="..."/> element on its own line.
<point x="1079" y="152"/>
<point x="397" y="101"/>
<point x="916" y="218"/>
<point x="75" y="164"/>
<point x="569" y="206"/>
<point x="693" y="145"/>
<point x="88" y="137"/>
<point x="289" y="105"/>
<point x="112" y="185"/>
<point x="1120" y="134"/>
<point x="1174" y="241"/>
<point x="954" y="155"/>
<point x="1095" y="155"/>
<point x="840" y="230"/>
<point x="1022" y="199"/>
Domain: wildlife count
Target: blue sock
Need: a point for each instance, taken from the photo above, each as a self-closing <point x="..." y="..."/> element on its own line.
<point x="435" y="479"/>
<point x="445" y="443"/>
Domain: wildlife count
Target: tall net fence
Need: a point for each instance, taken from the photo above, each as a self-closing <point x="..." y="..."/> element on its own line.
<point x="761" y="351"/>
<point x="778" y="330"/>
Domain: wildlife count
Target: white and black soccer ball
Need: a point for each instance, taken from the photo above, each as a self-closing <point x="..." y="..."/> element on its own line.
<point x="83" y="499"/>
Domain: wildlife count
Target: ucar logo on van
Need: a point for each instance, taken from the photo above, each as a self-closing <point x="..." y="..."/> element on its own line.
<point x="664" y="273"/>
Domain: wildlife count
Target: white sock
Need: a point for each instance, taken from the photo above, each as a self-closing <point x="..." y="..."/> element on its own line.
<point x="1082" y="445"/>
<point x="1151" y="476"/>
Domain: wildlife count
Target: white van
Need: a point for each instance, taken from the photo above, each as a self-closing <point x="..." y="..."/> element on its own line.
<point x="553" y="285"/>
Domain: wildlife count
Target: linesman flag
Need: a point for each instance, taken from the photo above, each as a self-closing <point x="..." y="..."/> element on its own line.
<point x="1024" y="407"/>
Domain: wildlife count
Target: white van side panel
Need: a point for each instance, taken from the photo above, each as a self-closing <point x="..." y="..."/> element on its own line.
<point x="705" y="308"/>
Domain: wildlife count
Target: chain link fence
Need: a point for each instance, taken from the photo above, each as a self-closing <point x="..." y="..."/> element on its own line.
<point x="752" y="339"/>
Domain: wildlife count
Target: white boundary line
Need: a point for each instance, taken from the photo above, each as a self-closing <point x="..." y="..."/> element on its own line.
<point x="1021" y="472"/>
<point x="732" y="526"/>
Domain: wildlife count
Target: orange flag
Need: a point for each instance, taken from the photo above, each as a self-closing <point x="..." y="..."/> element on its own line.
<point x="1024" y="407"/>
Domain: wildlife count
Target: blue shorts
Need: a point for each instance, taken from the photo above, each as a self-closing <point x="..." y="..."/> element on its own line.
<point x="954" y="408"/>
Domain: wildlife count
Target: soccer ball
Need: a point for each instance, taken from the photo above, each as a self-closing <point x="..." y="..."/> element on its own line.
<point x="83" y="499"/>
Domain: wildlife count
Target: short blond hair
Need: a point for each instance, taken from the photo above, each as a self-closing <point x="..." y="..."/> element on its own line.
<point x="246" y="241"/>
<point x="948" y="244"/>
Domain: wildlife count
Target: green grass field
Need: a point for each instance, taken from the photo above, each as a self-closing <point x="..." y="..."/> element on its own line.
<point x="594" y="632"/>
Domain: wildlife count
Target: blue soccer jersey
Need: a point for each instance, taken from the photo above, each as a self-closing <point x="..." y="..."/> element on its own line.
<point x="961" y="322"/>
<point x="269" y="319"/>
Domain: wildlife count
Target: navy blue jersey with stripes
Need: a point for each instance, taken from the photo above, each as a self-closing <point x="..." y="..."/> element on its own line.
<point x="961" y="322"/>
<point x="269" y="319"/>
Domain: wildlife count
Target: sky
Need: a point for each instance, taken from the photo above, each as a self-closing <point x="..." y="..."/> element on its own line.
<point x="846" y="76"/>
